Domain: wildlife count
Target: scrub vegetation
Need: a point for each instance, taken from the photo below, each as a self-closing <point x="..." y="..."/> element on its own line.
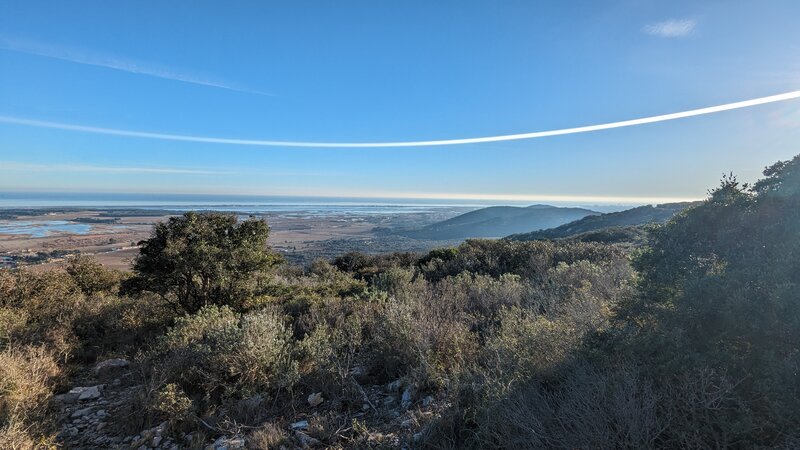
<point x="691" y="339"/>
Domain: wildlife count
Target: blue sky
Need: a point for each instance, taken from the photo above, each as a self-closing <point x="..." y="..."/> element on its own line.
<point x="396" y="71"/>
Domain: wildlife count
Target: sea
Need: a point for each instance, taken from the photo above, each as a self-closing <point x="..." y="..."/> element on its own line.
<point x="306" y="207"/>
<point x="239" y="204"/>
<point x="253" y="203"/>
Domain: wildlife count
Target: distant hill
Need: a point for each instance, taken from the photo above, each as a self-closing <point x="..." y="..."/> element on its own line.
<point x="634" y="235"/>
<point x="617" y="221"/>
<point x="498" y="221"/>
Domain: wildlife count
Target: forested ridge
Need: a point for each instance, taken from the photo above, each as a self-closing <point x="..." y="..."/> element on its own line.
<point x="617" y="222"/>
<point x="690" y="340"/>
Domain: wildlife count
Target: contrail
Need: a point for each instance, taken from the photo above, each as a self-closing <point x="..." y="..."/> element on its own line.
<point x="116" y="63"/>
<point x="10" y="165"/>
<point x="475" y="140"/>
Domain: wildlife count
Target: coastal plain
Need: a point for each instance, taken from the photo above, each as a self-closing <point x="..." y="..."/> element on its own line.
<point x="44" y="237"/>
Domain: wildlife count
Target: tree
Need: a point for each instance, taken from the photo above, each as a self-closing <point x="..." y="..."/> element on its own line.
<point x="719" y="290"/>
<point x="204" y="259"/>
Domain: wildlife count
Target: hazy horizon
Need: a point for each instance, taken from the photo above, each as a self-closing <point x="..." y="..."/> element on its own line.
<point x="43" y="200"/>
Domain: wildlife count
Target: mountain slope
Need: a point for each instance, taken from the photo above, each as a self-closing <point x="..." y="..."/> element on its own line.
<point x="497" y="221"/>
<point x="630" y="217"/>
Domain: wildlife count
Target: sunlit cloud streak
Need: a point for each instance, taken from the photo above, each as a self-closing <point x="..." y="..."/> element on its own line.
<point x="671" y="28"/>
<point x="525" y="198"/>
<point x="80" y="56"/>
<point x="475" y="140"/>
<point x="24" y="167"/>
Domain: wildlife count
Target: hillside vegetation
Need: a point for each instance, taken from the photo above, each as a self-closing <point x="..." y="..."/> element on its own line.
<point x="618" y="222"/>
<point x="692" y="341"/>
<point x="499" y="221"/>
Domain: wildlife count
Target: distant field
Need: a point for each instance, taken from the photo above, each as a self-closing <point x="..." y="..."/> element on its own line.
<point x="41" y="237"/>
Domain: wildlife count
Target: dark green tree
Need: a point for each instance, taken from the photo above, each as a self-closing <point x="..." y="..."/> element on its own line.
<point x="720" y="290"/>
<point x="204" y="259"/>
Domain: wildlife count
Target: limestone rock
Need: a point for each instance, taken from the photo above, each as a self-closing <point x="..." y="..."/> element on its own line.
<point x="405" y="400"/>
<point x="80" y="412"/>
<point x="315" y="399"/>
<point x="72" y="396"/>
<point x="227" y="443"/>
<point x="307" y="441"/>
<point x="110" y="366"/>
<point x="299" y="425"/>
<point x="90" y="393"/>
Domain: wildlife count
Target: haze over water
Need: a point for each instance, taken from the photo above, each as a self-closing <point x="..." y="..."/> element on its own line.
<point x="254" y="204"/>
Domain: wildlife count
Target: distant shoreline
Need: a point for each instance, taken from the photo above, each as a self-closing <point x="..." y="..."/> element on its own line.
<point x="184" y="202"/>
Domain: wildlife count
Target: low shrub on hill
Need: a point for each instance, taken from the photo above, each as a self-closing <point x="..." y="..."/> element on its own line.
<point x="493" y="344"/>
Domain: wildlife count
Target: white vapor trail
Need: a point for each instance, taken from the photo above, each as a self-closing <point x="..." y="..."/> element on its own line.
<point x="84" y="57"/>
<point x="9" y="165"/>
<point x="475" y="140"/>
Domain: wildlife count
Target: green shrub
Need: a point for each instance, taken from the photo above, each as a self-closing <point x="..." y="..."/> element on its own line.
<point x="529" y="346"/>
<point x="90" y="276"/>
<point x="529" y="260"/>
<point x="334" y="349"/>
<point x="40" y="308"/>
<point x="218" y="355"/>
<point x="365" y="267"/>
<point x="13" y="322"/>
<point x="110" y="324"/>
<point x="173" y="403"/>
<point x="422" y="335"/>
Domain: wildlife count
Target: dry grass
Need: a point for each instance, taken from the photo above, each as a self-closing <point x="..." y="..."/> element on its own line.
<point x="27" y="378"/>
<point x="268" y="437"/>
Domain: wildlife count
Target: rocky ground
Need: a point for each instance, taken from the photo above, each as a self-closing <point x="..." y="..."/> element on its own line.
<point x="93" y="410"/>
<point x="88" y="411"/>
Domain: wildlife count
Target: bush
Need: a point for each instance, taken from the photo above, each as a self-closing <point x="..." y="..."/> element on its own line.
<point x="585" y="407"/>
<point x="529" y="346"/>
<point x="335" y="345"/>
<point x="529" y="260"/>
<point x="13" y="322"/>
<point x="216" y="355"/>
<point x="365" y="267"/>
<point x="90" y="276"/>
<point x="423" y="334"/>
<point x="39" y="309"/>
<point x="173" y="403"/>
<point x="108" y="324"/>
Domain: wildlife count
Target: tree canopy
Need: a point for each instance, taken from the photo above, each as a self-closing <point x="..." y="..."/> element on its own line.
<point x="204" y="259"/>
<point x="719" y="289"/>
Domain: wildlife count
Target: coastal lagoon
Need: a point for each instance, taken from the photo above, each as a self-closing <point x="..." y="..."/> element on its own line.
<point x="43" y="228"/>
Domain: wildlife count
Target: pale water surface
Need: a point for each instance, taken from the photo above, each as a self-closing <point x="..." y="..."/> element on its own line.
<point x="42" y="228"/>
